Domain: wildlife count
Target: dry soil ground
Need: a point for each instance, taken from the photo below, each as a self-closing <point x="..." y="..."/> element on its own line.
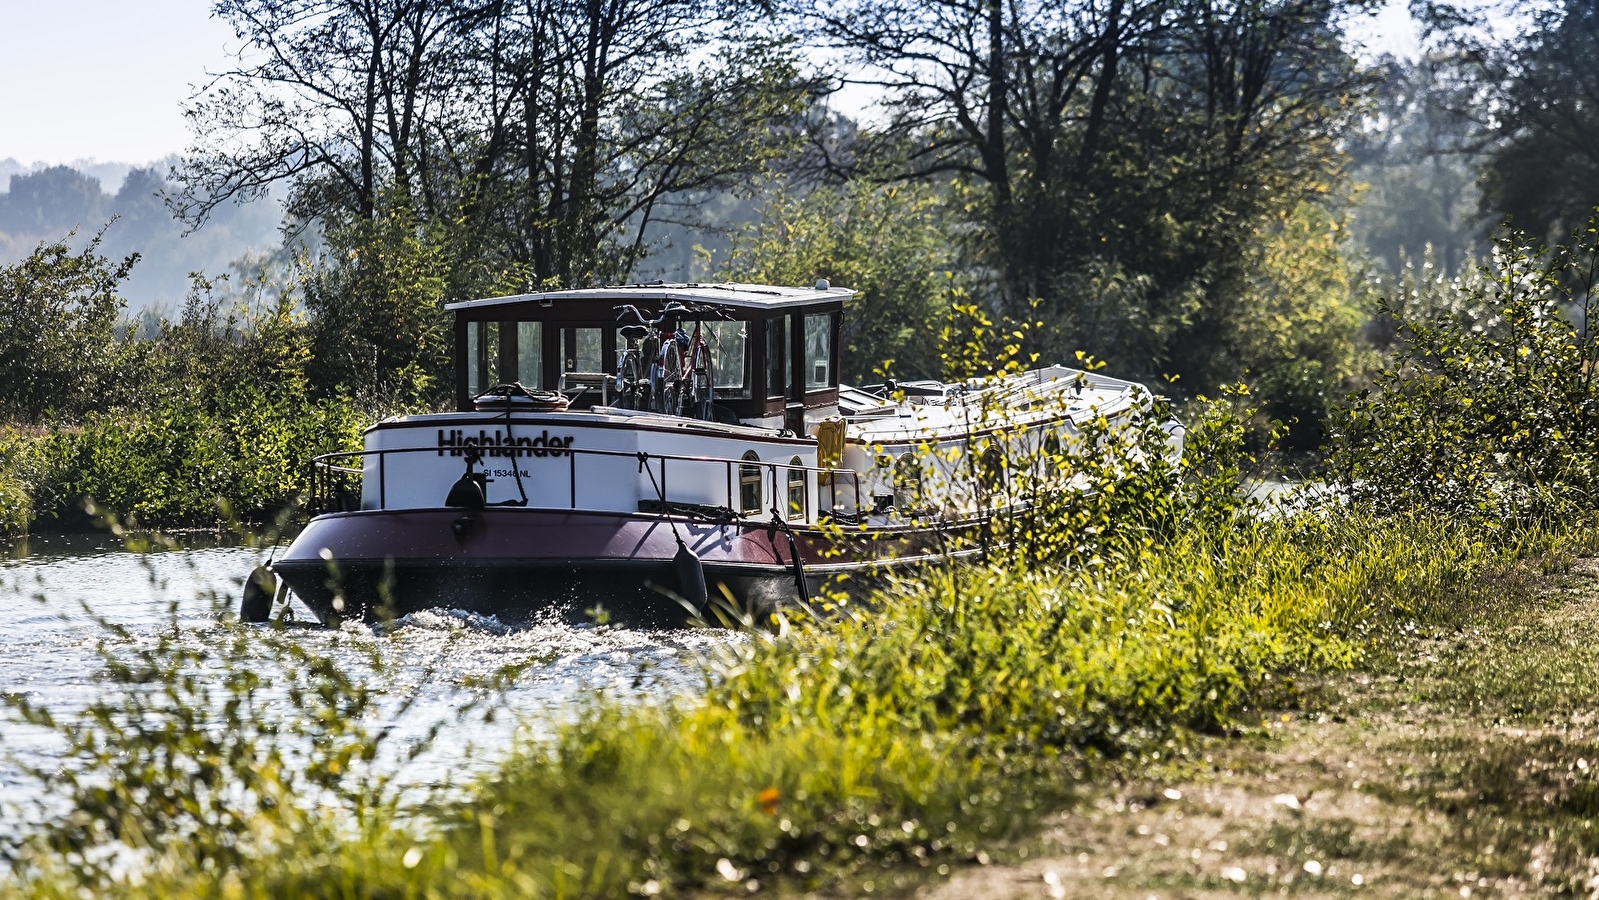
<point x="1460" y="764"/>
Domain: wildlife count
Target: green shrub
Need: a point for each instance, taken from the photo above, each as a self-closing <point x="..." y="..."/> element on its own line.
<point x="59" y="349"/>
<point x="16" y="507"/>
<point x="1490" y="408"/>
<point x="173" y="465"/>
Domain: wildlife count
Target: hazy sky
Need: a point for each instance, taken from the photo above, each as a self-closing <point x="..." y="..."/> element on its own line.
<point x="104" y="79"/>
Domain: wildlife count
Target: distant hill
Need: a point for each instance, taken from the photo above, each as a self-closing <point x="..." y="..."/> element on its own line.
<point x="47" y="203"/>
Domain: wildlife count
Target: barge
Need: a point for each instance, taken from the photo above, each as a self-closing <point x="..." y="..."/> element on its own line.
<point x="664" y="452"/>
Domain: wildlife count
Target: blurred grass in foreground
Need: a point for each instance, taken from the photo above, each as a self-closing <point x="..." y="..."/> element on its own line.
<point x="878" y="746"/>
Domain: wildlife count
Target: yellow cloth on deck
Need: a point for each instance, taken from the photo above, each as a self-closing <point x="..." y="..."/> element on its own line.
<point x="830" y="442"/>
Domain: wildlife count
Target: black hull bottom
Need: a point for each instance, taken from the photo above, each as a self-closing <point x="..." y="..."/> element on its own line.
<point x="637" y="594"/>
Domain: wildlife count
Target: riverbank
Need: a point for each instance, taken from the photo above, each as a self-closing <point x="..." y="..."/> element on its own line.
<point x="861" y="754"/>
<point x="185" y="464"/>
<point x="1460" y="760"/>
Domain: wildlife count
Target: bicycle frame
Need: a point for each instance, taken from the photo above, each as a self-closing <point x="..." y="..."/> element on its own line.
<point x="660" y="371"/>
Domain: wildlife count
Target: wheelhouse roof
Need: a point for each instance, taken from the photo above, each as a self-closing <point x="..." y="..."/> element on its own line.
<point x="743" y="296"/>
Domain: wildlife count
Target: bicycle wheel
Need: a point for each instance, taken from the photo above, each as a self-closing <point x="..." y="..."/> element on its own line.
<point x="701" y="391"/>
<point x="630" y="390"/>
<point x="671" y="391"/>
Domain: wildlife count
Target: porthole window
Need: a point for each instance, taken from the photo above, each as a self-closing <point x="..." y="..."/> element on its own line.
<point x="1052" y="453"/>
<point x="796" y="491"/>
<point x="749" y="484"/>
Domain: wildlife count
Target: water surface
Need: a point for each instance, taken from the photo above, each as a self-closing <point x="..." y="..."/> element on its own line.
<point x="52" y="590"/>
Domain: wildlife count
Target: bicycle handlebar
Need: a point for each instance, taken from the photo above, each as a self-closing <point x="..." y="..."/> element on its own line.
<point x="672" y="308"/>
<point x="626" y="308"/>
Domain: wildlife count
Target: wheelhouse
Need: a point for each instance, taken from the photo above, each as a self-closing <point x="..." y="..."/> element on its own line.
<point x="774" y="350"/>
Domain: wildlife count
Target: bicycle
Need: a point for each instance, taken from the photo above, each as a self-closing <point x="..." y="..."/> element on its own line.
<point x="633" y="388"/>
<point x="680" y="378"/>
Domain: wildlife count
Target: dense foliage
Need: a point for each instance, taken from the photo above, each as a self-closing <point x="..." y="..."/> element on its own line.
<point x="59" y="351"/>
<point x="886" y="239"/>
<point x="212" y="417"/>
<point x="1524" y="89"/>
<point x="1489" y="406"/>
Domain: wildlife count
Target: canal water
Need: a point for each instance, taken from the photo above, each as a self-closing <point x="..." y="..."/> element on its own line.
<point x="59" y="594"/>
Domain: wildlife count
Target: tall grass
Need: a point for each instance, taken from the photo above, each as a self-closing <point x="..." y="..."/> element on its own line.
<point x="876" y="747"/>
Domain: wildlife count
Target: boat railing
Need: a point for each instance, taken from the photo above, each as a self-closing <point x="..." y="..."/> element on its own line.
<point x="336" y="483"/>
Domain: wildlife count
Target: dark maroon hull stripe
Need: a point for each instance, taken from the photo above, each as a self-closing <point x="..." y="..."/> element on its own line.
<point x="530" y="562"/>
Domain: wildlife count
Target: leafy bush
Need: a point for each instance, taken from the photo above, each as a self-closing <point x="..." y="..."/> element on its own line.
<point x="1296" y="330"/>
<point x="1490" y="408"/>
<point x="217" y="410"/>
<point x="59" y="350"/>
<point x="15" y="506"/>
<point x="174" y="465"/>
<point x="20" y="472"/>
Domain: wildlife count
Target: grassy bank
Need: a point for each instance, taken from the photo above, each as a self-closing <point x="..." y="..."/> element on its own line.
<point x="867" y="752"/>
<point x="1456" y="761"/>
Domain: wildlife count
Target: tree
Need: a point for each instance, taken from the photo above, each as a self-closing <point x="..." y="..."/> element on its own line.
<point x="888" y="242"/>
<point x="1415" y="165"/>
<point x="51" y="202"/>
<point x="379" y="332"/>
<point x="334" y="97"/>
<point x="1533" y="103"/>
<point x="1297" y="338"/>
<point x="58" y="343"/>
<point x="548" y="134"/>
<point x="1127" y="148"/>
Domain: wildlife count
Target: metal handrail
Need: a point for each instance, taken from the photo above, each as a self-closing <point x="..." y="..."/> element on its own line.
<point x="324" y="466"/>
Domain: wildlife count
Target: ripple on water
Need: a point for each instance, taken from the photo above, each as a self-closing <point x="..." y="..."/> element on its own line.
<point x="443" y="664"/>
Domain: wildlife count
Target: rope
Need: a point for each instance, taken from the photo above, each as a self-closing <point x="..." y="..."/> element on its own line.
<point x="544" y="401"/>
<point x="643" y="466"/>
<point x="516" y="458"/>
<point x="778" y="523"/>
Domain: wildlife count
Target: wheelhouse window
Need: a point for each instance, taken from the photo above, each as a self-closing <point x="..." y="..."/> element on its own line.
<point x="819" y="351"/>
<point x="474" y="358"/>
<point x="530" y="354"/>
<point x="749" y="484"/>
<point x="727" y="342"/>
<point x="776" y="358"/>
<point x="484" y="359"/>
<point x="581" y="349"/>
<point x="502" y="352"/>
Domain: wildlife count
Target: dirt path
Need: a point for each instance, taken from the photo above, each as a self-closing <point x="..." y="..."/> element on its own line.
<point x="1465" y="766"/>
